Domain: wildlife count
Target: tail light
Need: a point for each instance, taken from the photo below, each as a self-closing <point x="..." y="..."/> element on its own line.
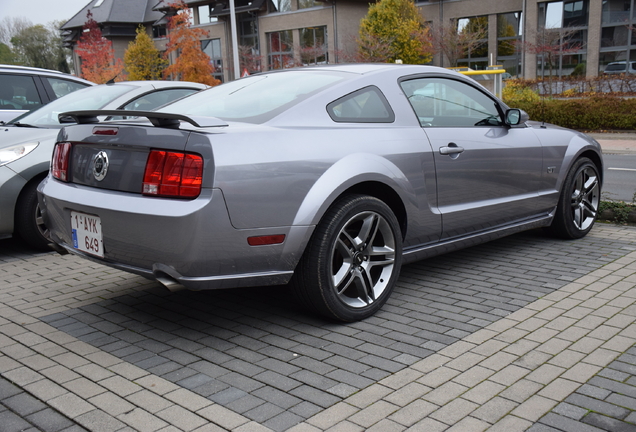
<point x="173" y="174"/>
<point x="60" y="161"/>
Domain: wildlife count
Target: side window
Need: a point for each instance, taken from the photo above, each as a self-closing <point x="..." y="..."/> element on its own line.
<point x="156" y="99"/>
<point x="367" y="105"/>
<point x="62" y="87"/>
<point x="19" y="92"/>
<point x="440" y="102"/>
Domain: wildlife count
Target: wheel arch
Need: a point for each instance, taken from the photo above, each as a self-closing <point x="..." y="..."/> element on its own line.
<point x="385" y="194"/>
<point x="35" y="179"/>
<point x="359" y="174"/>
<point x="596" y="159"/>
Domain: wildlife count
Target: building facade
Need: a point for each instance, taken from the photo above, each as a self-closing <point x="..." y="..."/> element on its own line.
<point x="118" y="20"/>
<point x="530" y="38"/>
<point x="561" y="38"/>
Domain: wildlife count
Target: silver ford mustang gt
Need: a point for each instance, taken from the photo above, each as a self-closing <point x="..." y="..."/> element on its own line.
<point x="327" y="178"/>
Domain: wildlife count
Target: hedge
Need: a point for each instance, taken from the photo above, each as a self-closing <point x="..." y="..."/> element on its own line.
<point x="598" y="111"/>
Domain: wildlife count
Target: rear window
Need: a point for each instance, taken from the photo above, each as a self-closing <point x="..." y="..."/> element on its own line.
<point x="258" y="98"/>
<point x="615" y="67"/>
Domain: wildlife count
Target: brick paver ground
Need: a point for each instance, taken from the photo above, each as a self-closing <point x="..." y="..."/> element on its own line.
<point x="515" y="334"/>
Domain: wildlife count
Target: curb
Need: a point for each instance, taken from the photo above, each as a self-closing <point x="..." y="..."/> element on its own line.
<point x="611" y="216"/>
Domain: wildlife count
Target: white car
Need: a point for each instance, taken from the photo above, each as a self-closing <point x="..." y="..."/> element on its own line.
<point x="24" y="89"/>
<point x="616" y="68"/>
<point x="26" y="146"/>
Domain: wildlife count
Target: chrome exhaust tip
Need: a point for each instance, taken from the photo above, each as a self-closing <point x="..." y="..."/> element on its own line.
<point x="170" y="283"/>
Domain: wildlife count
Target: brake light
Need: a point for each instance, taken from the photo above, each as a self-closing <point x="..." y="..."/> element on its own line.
<point x="173" y="174"/>
<point x="60" y="161"/>
<point x="100" y="130"/>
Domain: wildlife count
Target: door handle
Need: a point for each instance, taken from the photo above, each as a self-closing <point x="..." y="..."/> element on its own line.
<point x="451" y="149"/>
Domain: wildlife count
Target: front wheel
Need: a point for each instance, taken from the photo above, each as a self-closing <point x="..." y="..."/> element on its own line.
<point x="29" y="224"/>
<point x="579" y="201"/>
<point x="353" y="260"/>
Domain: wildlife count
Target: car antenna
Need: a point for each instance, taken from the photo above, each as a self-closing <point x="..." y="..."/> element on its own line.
<point x="112" y="80"/>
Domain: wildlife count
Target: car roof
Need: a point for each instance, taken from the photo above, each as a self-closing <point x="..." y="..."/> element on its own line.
<point x="39" y="71"/>
<point x="367" y="68"/>
<point x="159" y="84"/>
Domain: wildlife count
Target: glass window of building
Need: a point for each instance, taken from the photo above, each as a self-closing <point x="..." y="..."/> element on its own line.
<point x="306" y="4"/>
<point x="313" y="45"/>
<point x="280" y="5"/>
<point x="249" y="47"/>
<point x="618" y="37"/>
<point x="280" y="49"/>
<point x="561" y="38"/>
<point x="476" y="53"/>
<point x="509" y="31"/>
<point x="617" y="11"/>
<point x="159" y="31"/>
<point x="204" y="15"/>
<point x="212" y="47"/>
<point x="560" y="14"/>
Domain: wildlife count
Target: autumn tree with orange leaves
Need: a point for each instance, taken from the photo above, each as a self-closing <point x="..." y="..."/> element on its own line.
<point x="97" y="55"/>
<point x="191" y="64"/>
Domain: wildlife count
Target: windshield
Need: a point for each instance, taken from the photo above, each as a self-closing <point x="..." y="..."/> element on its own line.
<point x="90" y="98"/>
<point x="257" y="98"/>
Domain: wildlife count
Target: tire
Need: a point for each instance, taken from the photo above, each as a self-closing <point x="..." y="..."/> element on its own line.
<point x="352" y="261"/>
<point x="28" y="218"/>
<point x="579" y="201"/>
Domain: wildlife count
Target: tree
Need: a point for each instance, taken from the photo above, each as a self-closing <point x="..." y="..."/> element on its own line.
<point x="63" y="55"/>
<point x="143" y="61"/>
<point x="6" y="55"/>
<point x="40" y="46"/>
<point x="32" y="47"/>
<point x="394" y="30"/>
<point x="191" y="64"/>
<point x="10" y="26"/>
<point x="454" y="41"/>
<point x="97" y="55"/>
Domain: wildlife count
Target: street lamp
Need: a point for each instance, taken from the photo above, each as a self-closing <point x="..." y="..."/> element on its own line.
<point x="235" y="52"/>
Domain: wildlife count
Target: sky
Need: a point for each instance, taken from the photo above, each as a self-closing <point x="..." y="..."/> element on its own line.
<point x="41" y="11"/>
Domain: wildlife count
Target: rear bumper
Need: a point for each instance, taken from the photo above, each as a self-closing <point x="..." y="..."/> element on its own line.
<point x="190" y="242"/>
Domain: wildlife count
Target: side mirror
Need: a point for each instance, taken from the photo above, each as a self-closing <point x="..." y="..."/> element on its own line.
<point x="516" y="116"/>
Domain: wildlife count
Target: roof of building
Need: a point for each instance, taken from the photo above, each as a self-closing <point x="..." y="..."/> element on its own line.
<point x="116" y="11"/>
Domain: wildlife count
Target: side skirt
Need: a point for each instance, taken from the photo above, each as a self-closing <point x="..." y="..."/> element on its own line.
<point x="445" y="246"/>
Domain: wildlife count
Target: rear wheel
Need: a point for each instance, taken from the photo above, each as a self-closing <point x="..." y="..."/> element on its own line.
<point x="579" y="201"/>
<point x="29" y="224"/>
<point x="353" y="260"/>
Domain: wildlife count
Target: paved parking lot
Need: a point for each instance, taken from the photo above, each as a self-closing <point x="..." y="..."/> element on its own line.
<point x="527" y="332"/>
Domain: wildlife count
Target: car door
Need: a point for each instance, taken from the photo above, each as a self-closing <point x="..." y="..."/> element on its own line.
<point x="488" y="174"/>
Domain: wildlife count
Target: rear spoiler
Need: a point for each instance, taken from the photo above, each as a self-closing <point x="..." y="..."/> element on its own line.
<point x="158" y="119"/>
